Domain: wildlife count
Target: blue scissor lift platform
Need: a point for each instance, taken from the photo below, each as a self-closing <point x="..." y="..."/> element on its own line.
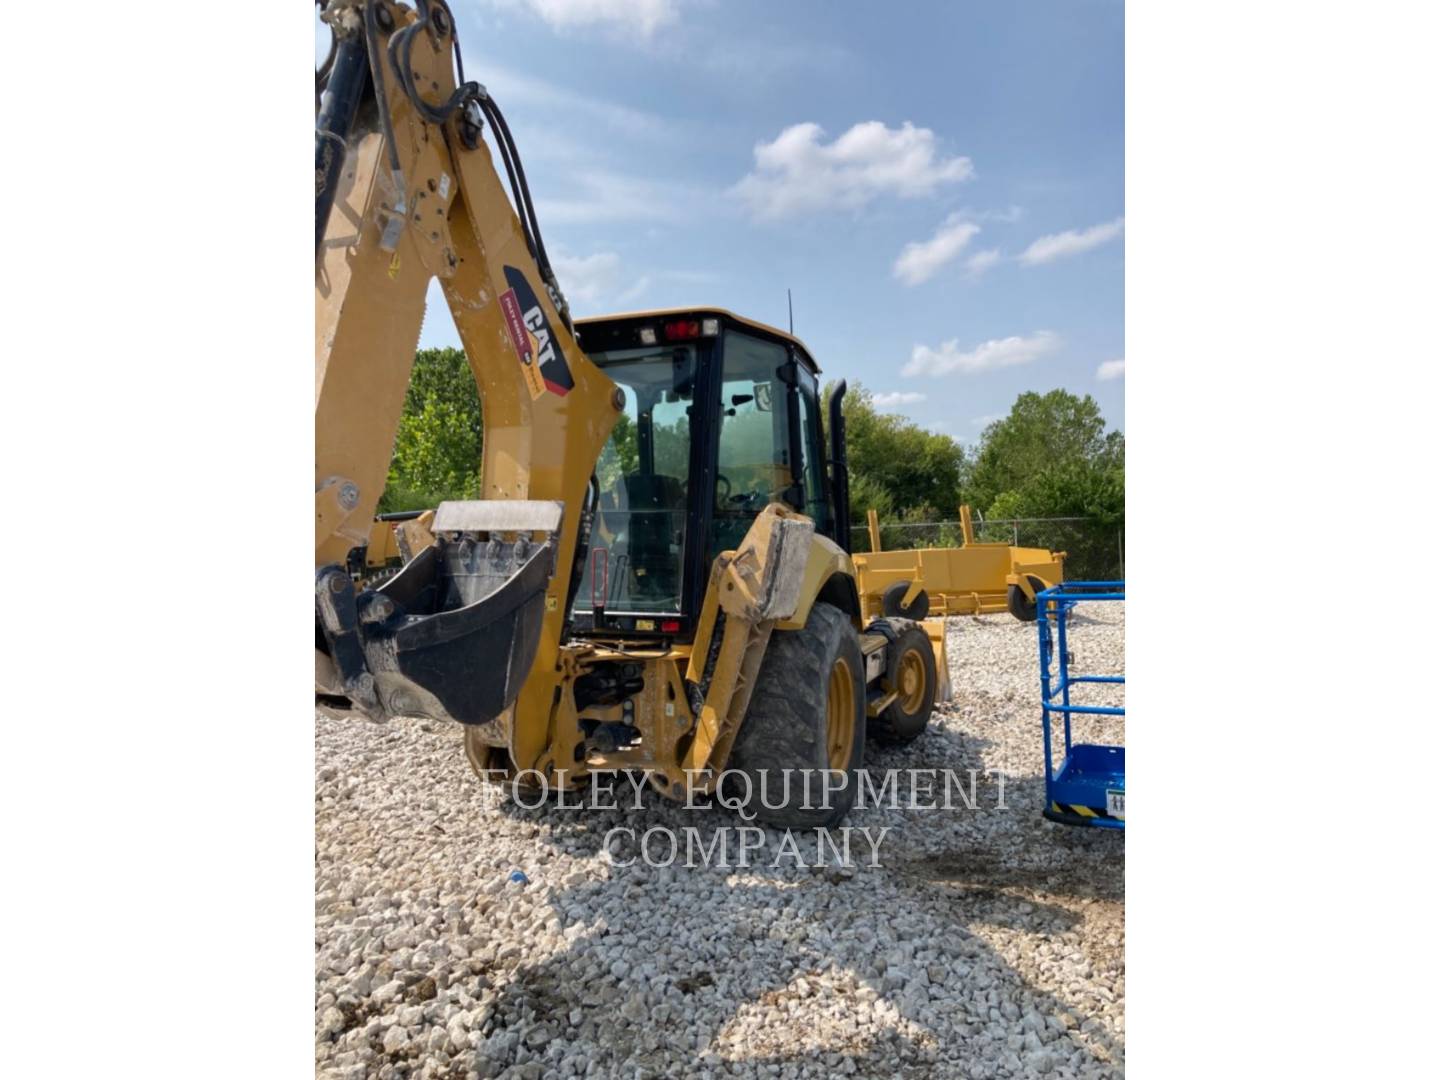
<point x="1089" y="786"/>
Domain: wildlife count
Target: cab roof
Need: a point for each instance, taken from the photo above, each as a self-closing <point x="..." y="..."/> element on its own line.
<point x="724" y="313"/>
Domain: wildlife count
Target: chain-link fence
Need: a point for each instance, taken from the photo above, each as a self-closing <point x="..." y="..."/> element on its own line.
<point x="1094" y="551"/>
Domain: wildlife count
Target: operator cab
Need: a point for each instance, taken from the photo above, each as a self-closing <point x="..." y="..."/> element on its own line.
<point x="721" y="418"/>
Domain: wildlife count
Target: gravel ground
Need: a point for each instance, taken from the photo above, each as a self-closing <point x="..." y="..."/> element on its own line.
<point x="987" y="942"/>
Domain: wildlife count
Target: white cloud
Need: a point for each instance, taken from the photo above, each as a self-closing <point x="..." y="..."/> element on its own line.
<point x="599" y="196"/>
<point x="585" y="279"/>
<point x="922" y="260"/>
<point x="1111" y="369"/>
<point x="580" y="171"/>
<point x="937" y="426"/>
<point x="517" y="88"/>
<point x="1002" y="352"/>
<point x="897" y="397"/>
<point x="987" y="419"/>
<point x="602" y="283"/>
<point x="981" y="261"/>
<point x="1009" y="215"/>
<point x="753" y="62"/>
<point x="640" y="16"/>
<point x="1072" y="242"/>
<point x="798" y="173"/>
<point x="638" y="288"/>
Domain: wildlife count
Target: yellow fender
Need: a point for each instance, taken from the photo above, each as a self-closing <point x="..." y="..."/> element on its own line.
<point x="828" y="571"/>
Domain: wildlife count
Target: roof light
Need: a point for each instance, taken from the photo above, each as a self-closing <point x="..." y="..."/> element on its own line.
<point x="682" y="330"/>
<point x="647" y="335"/>
<point x="709" y="327"/>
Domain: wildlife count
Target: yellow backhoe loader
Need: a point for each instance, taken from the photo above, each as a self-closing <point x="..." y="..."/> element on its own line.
<point x="657" y="576"/>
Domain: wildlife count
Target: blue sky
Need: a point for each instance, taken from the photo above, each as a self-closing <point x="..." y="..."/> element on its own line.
<point x="940" y="184"/>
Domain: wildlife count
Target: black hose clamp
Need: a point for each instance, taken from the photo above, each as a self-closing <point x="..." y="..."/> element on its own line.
<point x="472" y="123"/>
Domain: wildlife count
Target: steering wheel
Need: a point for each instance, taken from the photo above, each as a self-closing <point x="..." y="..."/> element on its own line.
<point x="719" y="479"/>
<point x="748" y="500"/>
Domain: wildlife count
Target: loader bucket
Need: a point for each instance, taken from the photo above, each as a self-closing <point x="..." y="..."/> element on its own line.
<point x="452" y="636"/>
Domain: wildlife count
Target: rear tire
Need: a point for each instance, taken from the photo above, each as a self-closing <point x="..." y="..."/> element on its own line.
<point x="807" y="713"/>
<point x="1021" y="606"/>
<point x="911" y="674"/>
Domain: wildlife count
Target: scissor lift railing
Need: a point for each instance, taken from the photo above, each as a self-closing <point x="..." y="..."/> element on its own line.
<point x="1089" y="786"/>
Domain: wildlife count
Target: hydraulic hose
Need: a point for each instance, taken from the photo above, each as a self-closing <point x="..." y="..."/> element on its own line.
<point x="524" y="206"/>
<point x="377" y="78"/>
<point x="433" y="15"/>
<point x="338" y="105"/>
<point x="401" y="47"/>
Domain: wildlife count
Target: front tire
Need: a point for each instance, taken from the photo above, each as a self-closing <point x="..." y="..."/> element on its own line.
<point x="911" y="674"/>
<point x="807" y="714"/>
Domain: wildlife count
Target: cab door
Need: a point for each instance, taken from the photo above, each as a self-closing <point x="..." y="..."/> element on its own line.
<point x="767" y="443"/>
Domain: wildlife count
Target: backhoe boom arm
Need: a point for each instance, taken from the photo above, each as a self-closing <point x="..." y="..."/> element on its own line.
<point x="415" y="196"/>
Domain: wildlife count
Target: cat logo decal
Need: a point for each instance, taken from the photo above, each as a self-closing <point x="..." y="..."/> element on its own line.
<point x="534" y="341"/>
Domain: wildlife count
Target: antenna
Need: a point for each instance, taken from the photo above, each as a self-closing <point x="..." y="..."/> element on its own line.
<point x="790" y="303"/>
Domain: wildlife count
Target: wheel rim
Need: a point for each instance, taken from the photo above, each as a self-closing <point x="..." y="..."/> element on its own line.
<point x="912" y="682"/>
<point x="840" y="715"/>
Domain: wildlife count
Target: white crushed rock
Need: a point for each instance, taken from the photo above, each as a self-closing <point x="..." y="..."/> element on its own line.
<point x="987" y="943"/>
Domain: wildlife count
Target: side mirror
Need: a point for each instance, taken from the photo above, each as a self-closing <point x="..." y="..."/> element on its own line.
<point x="682" y="374"/>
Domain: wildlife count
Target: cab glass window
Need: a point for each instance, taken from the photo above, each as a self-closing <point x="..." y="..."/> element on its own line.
<point x="753" y="465"/>
<point x="638" y="540"/>
<point x="811" y="455"/>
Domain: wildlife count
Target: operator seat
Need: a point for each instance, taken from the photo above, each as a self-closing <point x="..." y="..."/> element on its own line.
<point x="654" y="502"/>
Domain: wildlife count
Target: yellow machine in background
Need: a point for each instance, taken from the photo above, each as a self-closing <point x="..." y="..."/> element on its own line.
<point x="395" y="539"/>
<point x="656" y="576"/>
<point x="975" y="579"/>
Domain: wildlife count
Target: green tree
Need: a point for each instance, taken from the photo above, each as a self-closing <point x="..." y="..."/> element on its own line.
<point x="439" y="440"/>
<point x="620" y="456"/>
<point x="1051" y="457"/>
<point x="1042" y="430"/>
<point x="897" y="467"/>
